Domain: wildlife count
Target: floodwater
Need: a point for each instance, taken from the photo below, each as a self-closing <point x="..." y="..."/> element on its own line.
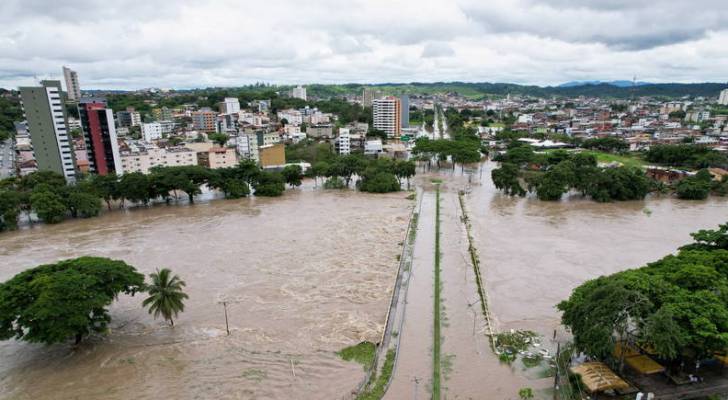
<point x="534" y="253"/>
<point x="305" y="275"/>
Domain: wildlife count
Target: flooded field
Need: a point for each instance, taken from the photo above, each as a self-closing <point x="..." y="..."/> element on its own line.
<point x="304" y="275"/>
<point x="534" y="253"/>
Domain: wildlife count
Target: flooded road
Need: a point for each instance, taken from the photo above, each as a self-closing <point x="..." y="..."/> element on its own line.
<point x="305" y="275"/>
<point x="534" y="253"/>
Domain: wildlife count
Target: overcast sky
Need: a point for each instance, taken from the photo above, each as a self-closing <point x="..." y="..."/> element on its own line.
<point x="126" y="44"/>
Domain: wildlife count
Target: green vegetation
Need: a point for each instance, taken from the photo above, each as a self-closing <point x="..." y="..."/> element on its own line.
<point x="626" y="159"/>
<point x="53" y="303"/>
<point x="166" y="296"/>
<point x="695" y="187"/>
<point x="525" y="393"/>
<point x="377" y="385"/>
<point x="10" y="112"/>
<point x="292" y="174"/>
<point x="309" y="151"/>
<point x="606" y="144"/>
<point x="363" y="353"/>
<point x="554" y="173"/>
<point x="47" y="194"/>
<point x="686" y="156"/>
<point x="437" y="339"/>
<point x="677" y="306"/>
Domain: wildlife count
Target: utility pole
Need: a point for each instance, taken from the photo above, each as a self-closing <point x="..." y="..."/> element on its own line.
<point x="227" y="327"/>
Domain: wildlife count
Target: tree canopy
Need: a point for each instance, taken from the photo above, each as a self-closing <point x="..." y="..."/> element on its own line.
<point x="53" y="303"/>
<point x="678" y="305"/>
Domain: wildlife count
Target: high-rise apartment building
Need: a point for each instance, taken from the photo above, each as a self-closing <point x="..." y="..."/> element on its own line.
<point x="388" y="115"/>
<point x="723" y="98"/>
<point x="368" y="96"/>
<point x="230" y="105"/>
<point x="72" y="87"/>
<point x="298" y="92"/>
<point x="404" y="100"/>
<point x="204" y="120"/>
<point x="99" y="130"/>
<point x="48" y="127"/>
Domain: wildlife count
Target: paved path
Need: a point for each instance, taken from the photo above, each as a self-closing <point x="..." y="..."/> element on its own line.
<point x="413" y="370"/>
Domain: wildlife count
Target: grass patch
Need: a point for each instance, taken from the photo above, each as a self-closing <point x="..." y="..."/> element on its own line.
<point x="255" y="374"/>
<point x="624" y="159"/>
<point x="363" y="353"/>
<point x="436" y="181"/>
<point x="413" y="228"/>
<point x="378" y="384"/>
<point x="436" y="363"/>
<point x="412" y="196"/>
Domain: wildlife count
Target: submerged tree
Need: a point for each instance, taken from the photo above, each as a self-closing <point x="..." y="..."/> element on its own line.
<point x="166" y="297"/>
<point x="55" y="302"/>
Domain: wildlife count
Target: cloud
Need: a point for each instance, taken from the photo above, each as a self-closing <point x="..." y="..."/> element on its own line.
<point x="437" y="49"/>
<point x="136" y="43"/>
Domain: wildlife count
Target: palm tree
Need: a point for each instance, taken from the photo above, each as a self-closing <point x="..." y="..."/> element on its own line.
<point x="165" y="295"/>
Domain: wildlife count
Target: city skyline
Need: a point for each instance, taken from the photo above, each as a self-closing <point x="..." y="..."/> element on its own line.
<point x="282" y="42"/>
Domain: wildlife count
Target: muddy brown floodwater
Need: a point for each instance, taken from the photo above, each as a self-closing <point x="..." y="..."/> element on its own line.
<point x="305" y="275"/>
<point x="534" y="253"/>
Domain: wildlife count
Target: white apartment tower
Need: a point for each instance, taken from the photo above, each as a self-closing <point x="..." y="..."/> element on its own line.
<point x="343" y="143"/>
<point x="723" y="99"/>
<point x="388" y="115"/>
<point x="299" y="92"/>
<point x="230" y="105"/>
<point x="72" y="87"/>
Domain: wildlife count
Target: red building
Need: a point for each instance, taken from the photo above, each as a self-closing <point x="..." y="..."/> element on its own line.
<point x="99" y="131"/>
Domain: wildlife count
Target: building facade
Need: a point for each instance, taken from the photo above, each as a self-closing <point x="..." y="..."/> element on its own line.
<point x="204" y="120"/>
<point x="128" y="118"/>
<point x="230" y="105"/>
<point x="142" y="159"/>
<point x="48" y="127"/>
<point x="343" y="142"/>
<point x="151" y="131"/>
<point x="298" y="92"/>
<point x="72" y="87"/>
<point x="99" y="132"/>
<point x="404" y="101"/>
<point x="723" y="98"/>
<point x="388" y="115"/>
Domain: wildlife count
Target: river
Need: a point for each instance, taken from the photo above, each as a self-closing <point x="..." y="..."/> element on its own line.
<point x="306" y="275"/>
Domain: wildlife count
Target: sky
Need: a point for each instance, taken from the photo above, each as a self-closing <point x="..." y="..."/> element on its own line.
<point x="130" y="44"/>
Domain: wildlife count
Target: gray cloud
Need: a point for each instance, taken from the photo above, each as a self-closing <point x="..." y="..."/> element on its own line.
<point x="138" y="43"/>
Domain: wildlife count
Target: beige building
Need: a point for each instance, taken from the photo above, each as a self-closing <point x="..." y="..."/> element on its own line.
<point x="218" y="157"/>
<point x="272" y="155"/>
<point x="143" y="160"/>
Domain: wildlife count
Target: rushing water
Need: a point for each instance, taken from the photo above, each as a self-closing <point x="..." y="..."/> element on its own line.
<point x="305" y="275"/>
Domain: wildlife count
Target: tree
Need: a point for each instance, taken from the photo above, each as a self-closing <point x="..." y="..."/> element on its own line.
<point x="9" y="209"/>
<point x="695" y="187"/>
<point x="48" y="206"/>
<point x="506" y="179"/>
<point x="219" y="138"/>
<point x="55" y="302"/>
<point x="292" y="175"/>
<point x="405" y="169"/>
<point x="82" y="204"/>
<point x="269" y="184"/>
<point x="379" y="182"/>
<point x="135" y="187"/>
<point x="319" y="169"/>
<point x="708" y="239"/>
<point x="166" y="296"/>
<point x="107" y="186"/>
